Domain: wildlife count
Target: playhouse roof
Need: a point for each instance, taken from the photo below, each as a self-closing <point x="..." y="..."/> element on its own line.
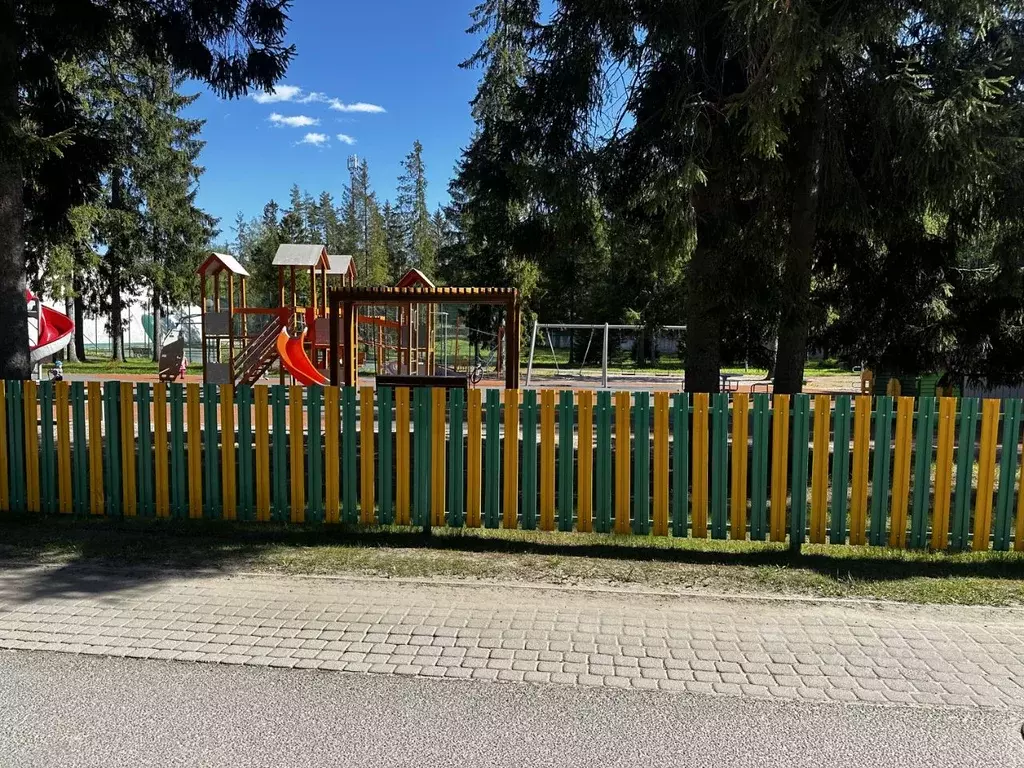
<point x="415" y="279"/>
<point x="296" y="255"/>
<point x="220" y="262"/>
<point x="340" y="265"/>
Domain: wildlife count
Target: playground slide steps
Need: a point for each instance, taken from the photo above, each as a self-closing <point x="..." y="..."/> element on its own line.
<point x="259" y="355"/>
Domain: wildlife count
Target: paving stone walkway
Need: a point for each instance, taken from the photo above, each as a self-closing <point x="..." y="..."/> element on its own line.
<point x="885" y="654"/>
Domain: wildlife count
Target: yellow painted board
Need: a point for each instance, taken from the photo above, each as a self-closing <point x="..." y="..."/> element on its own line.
<point x="780" y="466"/>
<point x="403" y="466"/>
<point x="63" y="389"/>
<point x="699" y="495"/>
<point x="95" y="447"/>
<point x="943" y="472"/>
<point x="623" y="403"/>
<point x="661" y="477"/>
<point x="437" y="456"/>
<point x="901" y="473"/>
<point x="5" y="470"/>
<point x="819" y="468"/>
<point x="367" y="496"/>
<point x="262" y="430"/>
<point x="229" y="492"/>
<point x="332" y="455"/>
<point x="986" y="475"/>
<point x="161" y="467"/>
<point x="859" y="485"/>
<point x="129" y="495"/>
<point x="195" y="451"/>
<point x="30" y="416"/>
<point x="740" y="432"/>
<point x="473" y="454"/>
<point x="585" y="502"/>
<point x="297" y="455"/>
<point x="547" y="460"/>
<point x="510" y="509"/>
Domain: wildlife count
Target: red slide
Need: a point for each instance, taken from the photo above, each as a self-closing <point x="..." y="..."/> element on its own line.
<point x="295" y="360"/>
<point x="55" y="331"/>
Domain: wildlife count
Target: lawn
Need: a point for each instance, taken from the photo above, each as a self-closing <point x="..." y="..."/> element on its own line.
<point x="638" y="562"/>
<point x="135" y="365"/>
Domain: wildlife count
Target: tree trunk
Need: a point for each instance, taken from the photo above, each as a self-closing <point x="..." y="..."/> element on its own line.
<point x="703" y="324"/>
<point x="157" y="325"/>
<point x="80" y="329"/>
<point x="14" y="357"/>
<point x="69" y="309"/>
<point x="114" y="279"/>
<point x="805" y="167"/>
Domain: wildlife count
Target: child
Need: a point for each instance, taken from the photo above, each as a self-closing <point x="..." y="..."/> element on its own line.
<point x="182" y="367"/>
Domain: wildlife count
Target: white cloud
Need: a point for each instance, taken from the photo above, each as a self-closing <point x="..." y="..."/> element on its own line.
<point x="314" y="97"/>
<point x="293" y="121"/>
<point x="359" y="106"/>
<point x="316" y="139"/>
<point x="345" y="138"/>
<point x="280" y="93"/>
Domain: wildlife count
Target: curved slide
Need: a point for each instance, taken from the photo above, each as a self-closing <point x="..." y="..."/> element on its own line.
<point x="296" y="362"/>
<point x="55" y="332"/>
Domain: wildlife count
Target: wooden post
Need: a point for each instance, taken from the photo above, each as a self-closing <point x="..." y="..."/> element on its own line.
<point x="202" y="324"/>
<point x="332" y="350"/>
<point x="312" y="291"/>
<point x="231" y="324"/>
<point x="280" y="286"/>
<point x="512" y="332"/>
<point x="349" y="342"/>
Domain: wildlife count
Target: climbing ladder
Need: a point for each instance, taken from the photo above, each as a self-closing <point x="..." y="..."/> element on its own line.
<point x="260" y="353"/>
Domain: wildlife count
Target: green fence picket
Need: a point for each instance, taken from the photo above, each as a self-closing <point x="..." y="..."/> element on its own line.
<point x="212" y="506"/>
<point x="47" y="450"/>
<point x="1012" y="412"/>
<point x="799" y="438"/>
<point x="840" y="469"/>
<point x="246" y="455"/>
<point x="79" y="457"/>
<point x="456" y="459"/>
<point x="16" y="446"/>
<point x="314" y="455"/>
<point x="642" y="463"/>
<point x="144" y="462"/>
<point x="112" y="448"/>
<point x="882" y="471"/>
<point x="759" y="465"/>
<point x="179" y="485"/>
<point x="966" y="449"/>
<point x="603" y="462"/>
<point x="279" y="477"/>
<point x="492" y="460"/>
<point x="926" y="420"/>
<point x="349" y="457"/>
<point x="680" y="417"/>
<point x="528" y="415"/>
<point x="566" y="412"/>
<point x="719" y="461"/>
<point x="421" y="456"/>
<point x="385" y="455"/>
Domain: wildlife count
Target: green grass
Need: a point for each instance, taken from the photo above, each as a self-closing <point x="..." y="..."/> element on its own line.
<point x="683" y="565"/>
<point x="136" y="365"/>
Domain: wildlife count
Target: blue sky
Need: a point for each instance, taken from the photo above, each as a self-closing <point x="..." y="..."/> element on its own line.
<point x="376" y="74"/>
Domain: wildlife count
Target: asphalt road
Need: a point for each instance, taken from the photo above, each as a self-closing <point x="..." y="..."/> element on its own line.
<point x="69" y="710"/>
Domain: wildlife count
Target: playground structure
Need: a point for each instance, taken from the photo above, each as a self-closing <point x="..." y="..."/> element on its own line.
<point x="393" y="332"/>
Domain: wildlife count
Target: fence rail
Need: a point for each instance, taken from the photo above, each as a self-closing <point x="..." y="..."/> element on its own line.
<point x="931" y="473"/>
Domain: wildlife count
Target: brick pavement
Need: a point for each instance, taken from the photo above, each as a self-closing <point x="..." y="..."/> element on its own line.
<point x="818" y="651"/>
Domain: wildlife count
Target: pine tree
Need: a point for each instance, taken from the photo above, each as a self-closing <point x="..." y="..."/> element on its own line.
<point x="412" y="208"/>
<point x="394" y="241"/>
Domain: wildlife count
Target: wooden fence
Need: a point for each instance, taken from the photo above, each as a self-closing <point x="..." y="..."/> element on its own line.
<point x="931" y="473"/>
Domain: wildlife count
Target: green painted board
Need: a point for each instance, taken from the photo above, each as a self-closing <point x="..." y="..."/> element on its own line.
<point x="1012" y="412"/>
<point x="421" y="463"/>
<point x="492" y="460"/>
<point x="966" y="449"/>
<point x="800" y="436"/>
<point x="925" y="422"/>
<point x="47" y="450"/>
<point x="680" y="416"/>
<point x="566" y="412"/>
<point x="603" y="463"/>
<point x="759" y="466"/>
<point x="528" y="460"/>
<point x="882" y="470"/>
<point x="16" y="447"/>
<point x="349" y="457"/>
<point x="79" y="456"/>
<point x="179" y="487"/>
<point x="840" y="469"/>
<point x="386" y="455"/>
<point x="314" y="455"/>
<point x="144" y="463"/>
<point x="279" y="454"/>
<point x="719" y="465"/>
<point x="112" y="448"/>
<point x="456" y="459"/>
<point x="642" y="463"/>
<point x="246" y="455"/>
<point x="212" y="504"/>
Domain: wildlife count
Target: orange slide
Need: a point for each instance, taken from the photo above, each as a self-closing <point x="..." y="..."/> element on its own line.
<point x="296" y="362"/>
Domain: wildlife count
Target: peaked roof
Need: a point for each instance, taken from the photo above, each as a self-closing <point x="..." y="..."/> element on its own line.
<point x="219" y="262"/>
<point x="415" y="279"/>
<point x="296" y="255"/>
<point x="340" y="265"/>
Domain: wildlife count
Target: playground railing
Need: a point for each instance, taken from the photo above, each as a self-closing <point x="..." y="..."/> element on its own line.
<point x="898" y="472"/>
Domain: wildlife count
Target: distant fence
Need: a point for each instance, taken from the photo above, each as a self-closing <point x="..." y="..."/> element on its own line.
<point x="931" y="473"/>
